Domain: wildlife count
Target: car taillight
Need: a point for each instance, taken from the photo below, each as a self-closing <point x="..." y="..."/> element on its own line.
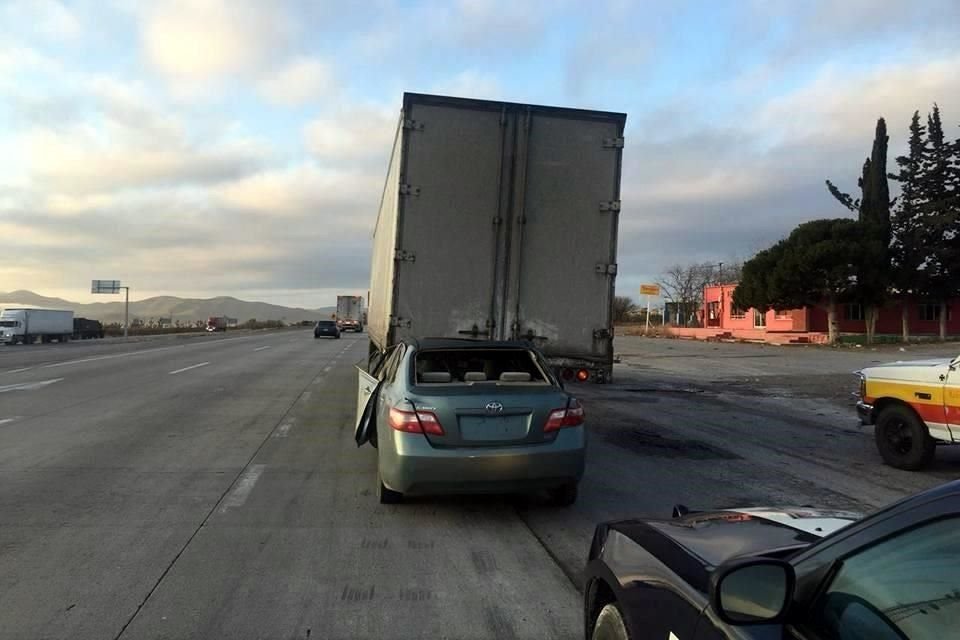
<point x="571" y="416"/>
<point x="583" y="375"/>
<point x="415" y="421"/>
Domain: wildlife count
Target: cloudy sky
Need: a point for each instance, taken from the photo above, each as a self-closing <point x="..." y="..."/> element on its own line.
<point x="233" y="147"/>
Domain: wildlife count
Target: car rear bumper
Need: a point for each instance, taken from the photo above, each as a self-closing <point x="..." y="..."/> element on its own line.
<point x="864" y="412"/>
<point x="410" y="465"/>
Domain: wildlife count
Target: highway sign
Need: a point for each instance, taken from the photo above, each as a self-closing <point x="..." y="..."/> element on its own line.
<point x="649" y="289"/>
<point x="105" y="286"/>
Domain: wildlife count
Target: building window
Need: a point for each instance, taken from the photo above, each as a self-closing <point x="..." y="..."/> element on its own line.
<point x="759" y="319"/>
<point x="713" y="311"/>
<point x="930" y="312"/>
<point x="736" y="312"/>
<point x="853" y="312"/>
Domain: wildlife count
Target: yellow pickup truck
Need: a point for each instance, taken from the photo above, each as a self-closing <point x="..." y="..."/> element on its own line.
<point x="914" y="406"/>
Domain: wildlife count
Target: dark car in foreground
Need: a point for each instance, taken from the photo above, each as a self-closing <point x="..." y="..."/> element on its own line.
<point x="801" y="574"/>
<point x="469" y="416"/>
<point x="326" y="328"/>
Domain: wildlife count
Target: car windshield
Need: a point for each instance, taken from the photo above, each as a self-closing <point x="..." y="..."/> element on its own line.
<point x="326" y="324"/>
<point x="511" y="366"/>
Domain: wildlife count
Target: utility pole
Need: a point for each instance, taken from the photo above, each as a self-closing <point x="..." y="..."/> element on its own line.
<point x="126" y="310"/>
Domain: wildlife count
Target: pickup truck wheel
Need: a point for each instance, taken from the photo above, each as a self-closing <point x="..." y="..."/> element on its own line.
<point x="903" y="439"/>
<point x="610" y="625"/>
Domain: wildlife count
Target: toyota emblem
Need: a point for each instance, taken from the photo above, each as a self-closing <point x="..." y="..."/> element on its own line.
<point x="494" y="407"/>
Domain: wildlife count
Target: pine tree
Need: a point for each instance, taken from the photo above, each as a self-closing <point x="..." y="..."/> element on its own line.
<point x="940" y="217"/>
<point x="907" y="249"/>
<point x="873" y="220"/>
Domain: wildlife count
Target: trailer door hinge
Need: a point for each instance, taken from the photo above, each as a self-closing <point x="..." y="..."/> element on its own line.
<point x="607" y="269"/>
<point x="409" y="190"/>
<point x="602" y="334"/>
<point x="404" y="256"/>
<point x="613" y="143"/>
<point x="412" y="125"/>
<point x="396" y="321"/>
<point x="610" y="205"/>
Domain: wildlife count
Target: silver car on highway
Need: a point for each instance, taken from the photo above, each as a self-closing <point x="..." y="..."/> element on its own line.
<point x="466" y="416"/>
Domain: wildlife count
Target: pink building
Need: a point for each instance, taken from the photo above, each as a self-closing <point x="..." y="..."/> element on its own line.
<point x="721" y="318"/>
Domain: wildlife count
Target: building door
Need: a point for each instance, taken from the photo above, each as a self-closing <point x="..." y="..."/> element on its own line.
<point x="759" y="319"/>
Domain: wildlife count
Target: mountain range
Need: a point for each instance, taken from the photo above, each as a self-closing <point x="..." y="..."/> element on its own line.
<point x="183" y="309"/>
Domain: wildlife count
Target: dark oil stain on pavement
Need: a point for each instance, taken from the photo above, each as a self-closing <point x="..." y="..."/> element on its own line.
<point x="357" y="594"/>
<point x="497" y="622"/>
<point x="483" y="561"/>
<point x="650" y="443"/>
<point x="416" y="595"/>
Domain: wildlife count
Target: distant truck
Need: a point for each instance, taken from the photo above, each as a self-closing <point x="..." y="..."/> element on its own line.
<point x="216" y="323"/>
<point x="499" y="221"/>
<point x="350" y="313"/>
<point x="26" y="326"/>
<point x="86" y="329"/>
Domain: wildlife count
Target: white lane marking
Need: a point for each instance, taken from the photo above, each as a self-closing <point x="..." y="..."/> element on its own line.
<point x="193" y="366"/>
<point x="110" y="357"/>
<point x="284" y="429"/>
<point x="326" y="369"/>
<point x="28" y="386"/>
<point x="262" y="348"/>
<point x="243" y="488"/>
<point x="305" y="395"/>
<point x="6" y="420"/>
<point x="19" y="370"/>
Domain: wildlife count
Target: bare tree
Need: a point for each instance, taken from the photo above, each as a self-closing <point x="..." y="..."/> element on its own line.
<point x="623" y="306"/>
<point x="683" y="285"/>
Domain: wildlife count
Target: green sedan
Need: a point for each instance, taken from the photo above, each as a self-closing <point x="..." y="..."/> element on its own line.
<point x="465" y="416"/>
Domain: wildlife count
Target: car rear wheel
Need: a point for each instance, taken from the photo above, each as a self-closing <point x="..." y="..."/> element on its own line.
<point x="903" y="439"/>
<point x="610" y="625"/>
<point x="387" y="496"/>
<point x="564" y="495"/>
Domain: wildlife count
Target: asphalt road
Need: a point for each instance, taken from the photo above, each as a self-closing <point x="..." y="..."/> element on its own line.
<point x="211" y="488"/>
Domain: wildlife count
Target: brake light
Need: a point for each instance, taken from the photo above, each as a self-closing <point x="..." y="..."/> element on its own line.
<point x="583" y="375"/>
<point x="571" y="416"/>
<point x="415" y="421"/>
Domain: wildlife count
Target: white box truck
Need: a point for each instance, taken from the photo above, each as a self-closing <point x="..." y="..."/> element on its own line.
<point x="499" y="220"/>
<point x="350" y="313"/>
<point x="26" y="326"/>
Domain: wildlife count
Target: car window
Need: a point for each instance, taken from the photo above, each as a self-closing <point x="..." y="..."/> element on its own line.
<point x="503" y="365"/>
<point x="907" y="586"/>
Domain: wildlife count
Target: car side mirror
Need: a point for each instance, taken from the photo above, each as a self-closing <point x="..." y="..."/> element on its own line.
<point x="752" y="591"/>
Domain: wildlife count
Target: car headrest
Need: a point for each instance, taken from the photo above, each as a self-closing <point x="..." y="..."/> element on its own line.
<point x="435" y="377"/>
<point x="514" y="376"/>
<point x="474" y="376"/>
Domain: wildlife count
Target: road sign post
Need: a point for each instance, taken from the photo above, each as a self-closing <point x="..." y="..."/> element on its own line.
<point x="114" y="286"/>
<point x="649" y="290"/>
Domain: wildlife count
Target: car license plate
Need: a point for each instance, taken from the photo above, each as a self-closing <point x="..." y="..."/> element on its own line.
<point x="493" y="428"/>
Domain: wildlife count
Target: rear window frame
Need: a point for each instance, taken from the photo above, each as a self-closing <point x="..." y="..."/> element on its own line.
<point x="546" y="377"/>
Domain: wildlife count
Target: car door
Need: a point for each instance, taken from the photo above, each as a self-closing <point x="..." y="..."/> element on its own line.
<point x="369" y="387"/>
<point x="904" y="587"/>
<point x="368" y="384"/>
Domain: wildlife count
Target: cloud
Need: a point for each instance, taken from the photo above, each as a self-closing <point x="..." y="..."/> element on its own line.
<point x="300" y="81"/>
<point x="81" y="163"/>
<point x="195" y="41"/>
<point x="49" y="19"/>
<point x="839" y="106"/>
<point x="471" y="84"/>
<point x="360" y="132"/>
<point x="333" y="198"/>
